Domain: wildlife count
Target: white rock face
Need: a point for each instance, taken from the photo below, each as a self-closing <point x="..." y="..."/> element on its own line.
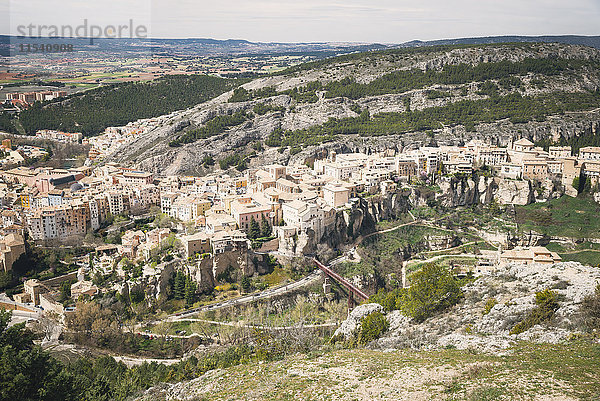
<point x="352" y="323"/>
<point x="513" y="192"/>
<point x="465" y="326"/>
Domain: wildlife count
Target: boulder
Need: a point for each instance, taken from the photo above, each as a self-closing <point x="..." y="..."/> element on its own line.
<point x="349" y="327"/>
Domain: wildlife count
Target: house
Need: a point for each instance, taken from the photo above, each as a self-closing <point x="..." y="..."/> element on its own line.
<point x="196" y="243"/>
<point x="523" y="145"/>
<point x="12" y="247"/>
<point x="224" y="241"/>
<point x="83" y="288"/>
<point x="528" y="256"/>
<point x="406" y="168"/>
<point x="559" y="152"/>
<point x="303" y="216"/>
<point x="458" y="167"/>
<point x="590" y="153"/>
<point x="535" y="169"/>
<point x="244" y="210"/>
<point x="335" y="196"/>
<point x="217" y="220"/>
<point x="491" y="155"/>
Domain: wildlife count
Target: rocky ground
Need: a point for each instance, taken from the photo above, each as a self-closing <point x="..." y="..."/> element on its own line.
<point x="549" y="373"/>
<point x="465" y="326"/>
<point x="457" y="355"/>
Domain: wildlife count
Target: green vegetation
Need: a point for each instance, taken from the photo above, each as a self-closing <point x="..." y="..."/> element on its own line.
<point x="302" y="94"/>
<point x="39" y="263"/>
<point x="382" y="254"/>
<point x="532" y="371"/>
<point x="90" y="112"/>
<point x="264" y="108"/>
<point x="576" y="142"/>
<point x="435" y="94"/>
<point x="589" y="258"/>
<point x="517" y="108"/>
<point x="590" y="310"/>
<point x="236" y="159"/>
<point x="547" y="304"/>
<point x="563" y="217"/>
<point x="215" y="126"/>
<point x="183" y="287"/>
<point x="490" y="303"/>
<point x="401" y="81"/>
<point x="28" y="373"/>
<point x="433" y="289"/>
<point x="7" y="123"/>
<point x="405" y="80"/>
<point x="372" y="327"/>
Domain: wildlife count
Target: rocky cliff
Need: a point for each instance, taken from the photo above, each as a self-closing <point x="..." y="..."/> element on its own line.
<point x="483" y="190"/>
<point x="469" y="325"/>
<point x="152" y="152"/>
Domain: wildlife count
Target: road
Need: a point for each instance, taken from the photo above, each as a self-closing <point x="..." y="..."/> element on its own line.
<point x="269" y="293"/>
<point x="438" y="257"/>
<point x="21" y="316"/>
<point x="261" y="327"/>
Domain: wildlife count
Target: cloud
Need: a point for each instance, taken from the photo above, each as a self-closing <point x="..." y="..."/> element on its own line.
<point x="327" y="20"/>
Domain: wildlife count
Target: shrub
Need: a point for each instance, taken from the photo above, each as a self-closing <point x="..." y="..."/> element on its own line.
<point x="433" y="288"/>
<point x="547" y="304"/>
<point x="590" y="310"/>
<point x="372" y="327"/>
<point x="390" y="301"/>
<point x="489" y="305"/>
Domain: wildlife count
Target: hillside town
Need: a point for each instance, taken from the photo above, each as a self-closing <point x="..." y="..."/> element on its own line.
<point x="229" y="220"/>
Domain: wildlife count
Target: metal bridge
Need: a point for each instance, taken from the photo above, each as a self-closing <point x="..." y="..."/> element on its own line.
<point x="355" y="295"/>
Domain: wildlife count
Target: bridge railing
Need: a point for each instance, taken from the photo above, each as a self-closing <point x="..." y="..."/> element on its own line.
<point x="349" y="286"/>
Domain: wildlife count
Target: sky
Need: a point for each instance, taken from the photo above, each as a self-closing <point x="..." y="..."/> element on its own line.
<point x="365" y="21"/>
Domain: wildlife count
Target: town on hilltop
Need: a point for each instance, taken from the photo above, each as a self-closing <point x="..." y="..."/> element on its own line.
<point x="218" y="222"/>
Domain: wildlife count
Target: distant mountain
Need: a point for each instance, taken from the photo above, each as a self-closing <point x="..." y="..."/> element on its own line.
<point x="211" y="47"/>
<point x="591" y="41"/>
<point x="9" y="46"/>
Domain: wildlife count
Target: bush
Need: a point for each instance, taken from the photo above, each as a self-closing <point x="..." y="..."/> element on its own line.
<point x="433" y="288"/>
<point x="547" y="304"/>
<point x="489" y="305"/>
<point x="390" y="301"/>
<point x="372" y="327"/>
<point x="590" y="310"/>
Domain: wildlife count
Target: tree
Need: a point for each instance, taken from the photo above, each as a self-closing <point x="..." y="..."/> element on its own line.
<point x="590" y="308"/>
<point x="6" y="279"/>
<point x="208" y="161"/>
<point x="189" y="292"/>
<point x="27" y="372"/>
<point x="179" y="286"/>
<point x="265" y="227"/>
<point x="245" y="283"/>
<point x="433" y="288"/>
<point x="254" y="231"/>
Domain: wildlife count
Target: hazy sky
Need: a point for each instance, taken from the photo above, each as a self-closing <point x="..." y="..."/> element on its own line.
<point x="387" y="21"/>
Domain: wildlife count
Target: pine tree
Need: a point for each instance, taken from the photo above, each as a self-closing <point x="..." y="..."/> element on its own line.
<point x="245" y="283"/>
<point x="179" y="286"/>
<point x="265" y="227"/>
<point x="254" y="231"/>
<point x="189" y="292"/>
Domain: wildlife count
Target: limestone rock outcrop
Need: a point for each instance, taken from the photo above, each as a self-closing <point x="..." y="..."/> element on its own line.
<point x="351" y="325"/>
<point x="513" y="288"/>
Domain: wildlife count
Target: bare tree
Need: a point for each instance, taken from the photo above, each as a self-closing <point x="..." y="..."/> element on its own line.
<point x="46" y="325"/>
